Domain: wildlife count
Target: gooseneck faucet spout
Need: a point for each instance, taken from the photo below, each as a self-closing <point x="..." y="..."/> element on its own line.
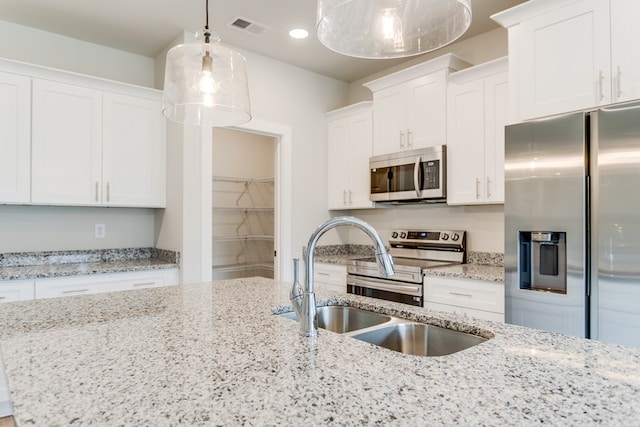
<point x="303" y="299"/>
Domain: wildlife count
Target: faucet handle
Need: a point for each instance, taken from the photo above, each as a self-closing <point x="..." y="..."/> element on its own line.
<point x="296" y="289"/>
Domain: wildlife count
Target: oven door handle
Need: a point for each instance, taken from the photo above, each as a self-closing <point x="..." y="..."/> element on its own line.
<point x="386" y="285"/>
<point x="416" y="177"/>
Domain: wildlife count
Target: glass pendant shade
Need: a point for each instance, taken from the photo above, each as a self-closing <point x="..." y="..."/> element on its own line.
<point x="377" y="29"/>
<point x="206" y="85"/>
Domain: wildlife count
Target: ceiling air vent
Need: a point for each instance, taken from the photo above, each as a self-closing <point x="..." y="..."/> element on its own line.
<point x="247" y="26"/>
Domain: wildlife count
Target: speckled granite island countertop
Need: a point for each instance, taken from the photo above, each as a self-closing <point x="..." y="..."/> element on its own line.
<point x="33" y="265"/>
<point x="214" y="354"/>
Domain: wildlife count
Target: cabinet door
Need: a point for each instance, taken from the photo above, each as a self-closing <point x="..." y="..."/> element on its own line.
<point x="625" y="48"/>
<point x="565" y="63"/>
<point x="426" y="111"/>
<point x="465" y="143"/>
<point x="15" y="138"/>
<point x="133" y="153"/>
<point x="66" y="144"/>
<point x="389" y="120"/>
<point x="360" y="149"/>
<point x="16" y="290"/>
<point x="496" y="111"/>
<point x="338" y="163"/>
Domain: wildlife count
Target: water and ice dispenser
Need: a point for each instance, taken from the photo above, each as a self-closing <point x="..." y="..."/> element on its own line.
<point x="542" y="263"/>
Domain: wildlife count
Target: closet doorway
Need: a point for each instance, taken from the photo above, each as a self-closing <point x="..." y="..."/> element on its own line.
<point x="243" y="211"/>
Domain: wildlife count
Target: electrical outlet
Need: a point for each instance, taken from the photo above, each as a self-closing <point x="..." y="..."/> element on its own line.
<point x="100" y="231"/>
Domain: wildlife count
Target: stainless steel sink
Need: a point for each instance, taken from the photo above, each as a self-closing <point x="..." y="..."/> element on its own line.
<point x="419" y="339"/>
<point x="342" y="319"/>
<point x="392" y="332"/>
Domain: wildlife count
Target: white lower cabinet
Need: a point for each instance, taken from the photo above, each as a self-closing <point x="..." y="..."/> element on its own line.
<point x="476" y="298"/>
<point x="98" y="283"/>
<point x="330" y="277"/>
<point x="16" y="290"/>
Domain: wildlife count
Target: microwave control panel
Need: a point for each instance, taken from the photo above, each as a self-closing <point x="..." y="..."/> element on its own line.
<point x="431" y="174"/>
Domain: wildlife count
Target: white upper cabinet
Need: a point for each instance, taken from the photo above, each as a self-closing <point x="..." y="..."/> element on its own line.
<point x="133" y="153"/>
<point x="477" y="111"/>
<point x="66" y="145"/>
<point x="625" y="49"/>
<point x="349" y="148"/>
<point x="409" y="106"/>
<point x="15" y="137"/>
<point x="568" y="55"/>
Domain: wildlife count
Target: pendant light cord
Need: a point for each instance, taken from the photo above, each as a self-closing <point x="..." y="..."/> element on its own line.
<point x="207" y="34"/>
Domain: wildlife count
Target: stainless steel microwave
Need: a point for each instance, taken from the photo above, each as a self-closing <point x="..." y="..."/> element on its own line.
<point x="413" y="176"/>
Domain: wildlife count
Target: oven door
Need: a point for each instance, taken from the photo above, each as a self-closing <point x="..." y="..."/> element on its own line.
<point x="390" y="290"/>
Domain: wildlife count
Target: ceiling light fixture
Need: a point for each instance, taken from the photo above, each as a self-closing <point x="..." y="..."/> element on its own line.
<point x="205" y="83"/>
<point x="299" y="33"/>
<point x="377" y="29"/>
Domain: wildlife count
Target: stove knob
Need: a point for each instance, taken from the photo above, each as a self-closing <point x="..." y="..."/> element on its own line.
<point x="445" y="236"/>
<point x="455" y="237"/>
<point x="403" y="235"/>
<point x="394" y="235"/>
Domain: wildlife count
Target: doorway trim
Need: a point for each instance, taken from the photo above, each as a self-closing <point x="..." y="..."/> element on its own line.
<point x="283" y="191"/>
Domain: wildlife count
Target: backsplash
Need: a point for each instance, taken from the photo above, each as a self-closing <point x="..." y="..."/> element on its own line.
<point x="19" y="259"/>
<point x="494" y="259"/>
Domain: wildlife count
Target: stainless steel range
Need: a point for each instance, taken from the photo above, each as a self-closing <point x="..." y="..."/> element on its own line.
<point x="412" y="251"/>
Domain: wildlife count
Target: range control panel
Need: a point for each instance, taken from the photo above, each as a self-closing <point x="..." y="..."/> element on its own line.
<point x="427" y="237"/>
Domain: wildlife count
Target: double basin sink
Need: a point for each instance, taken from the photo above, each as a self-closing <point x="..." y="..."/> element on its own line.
<point x="391" y="332"/>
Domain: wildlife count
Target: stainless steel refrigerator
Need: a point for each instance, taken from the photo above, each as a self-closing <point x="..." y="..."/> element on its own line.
<point x="572" y="224"/>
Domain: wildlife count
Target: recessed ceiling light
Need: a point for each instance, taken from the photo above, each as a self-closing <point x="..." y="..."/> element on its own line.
<point x="299" y="33"/>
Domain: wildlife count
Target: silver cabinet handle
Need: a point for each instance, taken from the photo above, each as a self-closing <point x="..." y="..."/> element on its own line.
<point x="350" y="197"/>
<point x="319" y="273"/>
<point x="460" y="294"/>
<point x="3" y="298"/>
<point x="409" y="138"/>
<point x="108" y="192"/>
<point x="75" y="291"/>
<point x="401" y="139"/>
<point x="96" y="191"/>
<point x="477" y="188"/>
<point x="416" y="176"/>
<point x="344" y="197"/>
<point x="600" y="84"/>
<point x="618" y="82"/>
<point x="144" y="284"/>
<point x="488" y="187"/>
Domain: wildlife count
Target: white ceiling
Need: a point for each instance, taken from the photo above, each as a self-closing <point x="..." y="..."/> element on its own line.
<point x="146" y="27"/>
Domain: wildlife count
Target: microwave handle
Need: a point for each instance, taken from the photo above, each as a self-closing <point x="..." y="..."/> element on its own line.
<point x="416" y="176"/>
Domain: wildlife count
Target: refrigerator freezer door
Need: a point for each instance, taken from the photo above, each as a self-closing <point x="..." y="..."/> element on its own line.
<point x="545" y="187"/>
<point x="615" y="182"/>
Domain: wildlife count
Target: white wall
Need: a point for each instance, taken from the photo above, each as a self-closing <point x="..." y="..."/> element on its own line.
<point x="242" y="154"/>
<point x="484" y="224"/>
<point x="48" y="228"/>
<point x="26" y="44"/>
<point x="291" y="96"/>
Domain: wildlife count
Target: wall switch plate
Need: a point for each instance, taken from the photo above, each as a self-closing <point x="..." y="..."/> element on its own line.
<point x="100" y="231"/>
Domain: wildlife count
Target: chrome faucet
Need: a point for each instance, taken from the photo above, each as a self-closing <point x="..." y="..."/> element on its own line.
<point x="303" y="299"/>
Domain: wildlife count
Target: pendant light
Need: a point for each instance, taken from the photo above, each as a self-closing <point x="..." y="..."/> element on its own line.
<point x="378" y="29"/>
<point x="205" y="83"/>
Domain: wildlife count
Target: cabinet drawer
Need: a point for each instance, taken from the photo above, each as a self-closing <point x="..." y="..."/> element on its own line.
<point x="93" y="284"/>
<point x="465" y="293"/>
<point x="16" y="290"/>
<point x="478" y="314"/>
<point x="331" y="274"/>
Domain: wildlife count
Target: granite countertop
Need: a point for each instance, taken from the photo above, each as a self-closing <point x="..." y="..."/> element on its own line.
<point x="482" y="265"/>
<point x="33" y="265"/>
<point x="214" y="354"/>
<point x="487" y="273"/>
